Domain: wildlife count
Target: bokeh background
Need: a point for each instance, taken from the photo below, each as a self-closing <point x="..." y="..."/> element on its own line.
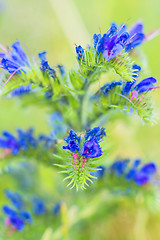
<point x="56" y="26"/>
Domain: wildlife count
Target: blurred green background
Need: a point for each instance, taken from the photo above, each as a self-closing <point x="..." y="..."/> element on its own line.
<point x="55" y="26"/>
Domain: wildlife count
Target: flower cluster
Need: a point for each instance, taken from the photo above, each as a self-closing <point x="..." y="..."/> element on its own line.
<point x="24" y="141"/>
<point x="130" y="95"/>
<point x="140" y="175"/>
<point x="114" y="41"/>
<point x="17" y="217"/>
<point x="90" y="148"/>
<point x="15" y="60"/>
<point x="39" y="207"/>
<point x="83" y="153"/>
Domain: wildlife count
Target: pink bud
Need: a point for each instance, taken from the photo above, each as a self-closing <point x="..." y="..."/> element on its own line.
<point x="7" y="222"/>
<point x="75" y="155"/>
<point x="134" y="95"/>
<point x="84" y="159"/>
<point x="74" y="162"/>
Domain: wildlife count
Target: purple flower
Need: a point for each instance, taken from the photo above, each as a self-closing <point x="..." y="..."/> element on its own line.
<point x="116" y="39"/>
<point x="91" y="149"/>
<point x="141" y="178"/>
<point x="17" y="222"/>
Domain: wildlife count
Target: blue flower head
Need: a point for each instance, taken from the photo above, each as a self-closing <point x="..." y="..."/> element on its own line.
<point x="18" y="92"/>
<point x="140" y="176"/>
<point x="96" y="133"/>
<point x="119" y="167"/>
<point x="80" y="52"/>
<point x="96" y="38"/>
<point x="38" y="206"/>
<point x="145" y="85"/>
<point x="57" y="208"/>
<point x="26" y="216"/>
<point x="17" y="222"/>
<point x="91" y="147"/>
<point x="15" y="198"/>
<point x="45" y="67"/>
<point x="17" y="59"/>
<point x="136" y="37"/>
<point x="16" y="217"/>
<point x="25" y="140"/>
<point x="116" y="39"/>
<point x="109" y="86"/>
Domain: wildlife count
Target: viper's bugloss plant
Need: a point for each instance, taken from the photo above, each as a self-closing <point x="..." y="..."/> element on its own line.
<point x="79" y="102"/>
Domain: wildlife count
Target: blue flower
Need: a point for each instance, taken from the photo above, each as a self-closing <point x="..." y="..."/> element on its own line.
<point x="149" y="168"/>
<point x="47" y="141"/>
<point x="96" y="38"/>
<point x="145" y="85"/>
<point x="26" y="216"/>
<point x="80" y="52"/>
<point x="109" y="86"/>
<point x="96" y="133"/>
<point x="140" y="176"/>
<point x="15" y="199"/>
<point x="25" y="140"/>
<point x="21" y="90"/>
<point x="116" y="39"/>
<point x="45" y="67"/>
<point x="73" y="136"/>
<point x="72" y="146"/>
<point x="17" y="222"/>
<point x="91" y="149"/>
<point x="9" y="211"/>
<point x="119" y="167"/>
<point x="57" y="208"/>
<point x="16" y="218"/>
<point x="136" y="37"/>
<point x="17" y="59"/>
<point x="38" y="206"/>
